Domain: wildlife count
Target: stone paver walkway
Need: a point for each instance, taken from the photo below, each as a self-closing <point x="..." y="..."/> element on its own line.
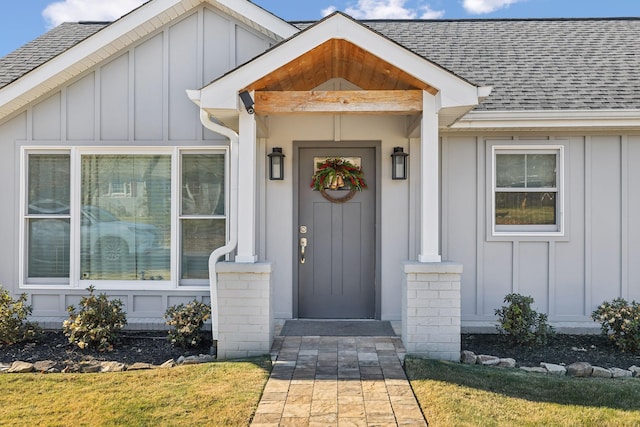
<point x="338" y="381"/>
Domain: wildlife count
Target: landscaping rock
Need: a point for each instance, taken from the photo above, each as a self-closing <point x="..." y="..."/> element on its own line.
<point x="89" y="367"/>
<point x="112" y="367"/>
<point x="579" y="369"/>
<point x="487" y="360"/>
<point x="620" y="373"/>
<point x="4" y="368"/>
<point x="195" y="360"/>
<point x="19" y="367"/>
<point x="599" y="372"/>
<point x="635" y="370"/>
<point x="138" y="366"/>
<point x="45" y="366"/>
<point x="507" y="363"/>
<point x="168" y="364"/>
<point x="468" y="357"/>
<point x="534" y="369"/>
<point x="554" y="369"/>
<point x="180" y="360"/>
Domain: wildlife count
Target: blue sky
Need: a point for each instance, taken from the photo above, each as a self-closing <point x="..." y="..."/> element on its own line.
<point x="24" y="20"/>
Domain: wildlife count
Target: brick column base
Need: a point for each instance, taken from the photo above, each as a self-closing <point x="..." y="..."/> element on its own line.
<point x="245" y="320"/>
<point x="431" y="309"/>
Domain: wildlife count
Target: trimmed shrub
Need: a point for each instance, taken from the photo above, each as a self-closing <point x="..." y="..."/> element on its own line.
<point x="520" y="323"/>
<point x="620" y="321"/>
<point x="14" y="327"/>
<point x="186" y="321"/>
<point x="97" y="322"/>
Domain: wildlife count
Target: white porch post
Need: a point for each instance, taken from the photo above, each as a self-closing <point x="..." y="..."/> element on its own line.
<point x="429" y="182"/>
<point x="246" y="252"/>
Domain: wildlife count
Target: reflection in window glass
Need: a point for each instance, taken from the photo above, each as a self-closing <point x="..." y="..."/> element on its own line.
<point x="203" y="184"/>
<point x="48" y="241"/>
<point x="48" y="215"/>
<point x="125" y="235"/>
<point x="199" y="238"/>
<point x="203" y="226"/>
<point x="525" y="208"/>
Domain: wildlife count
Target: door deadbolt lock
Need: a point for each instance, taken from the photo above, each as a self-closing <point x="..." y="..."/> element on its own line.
<point x="303" y="229"/>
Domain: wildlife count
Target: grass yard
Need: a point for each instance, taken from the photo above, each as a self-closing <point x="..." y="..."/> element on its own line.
<point x="452" y="394"/>
<point x="220" y="394"/>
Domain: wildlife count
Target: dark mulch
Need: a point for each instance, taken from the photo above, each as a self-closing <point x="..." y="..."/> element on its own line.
<point x="562" y="349"/>
<point x="132" y="347"/>
<point x="153" y="347"/>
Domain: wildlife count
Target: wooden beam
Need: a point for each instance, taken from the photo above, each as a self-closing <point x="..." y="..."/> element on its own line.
<point x="342" y="101"/>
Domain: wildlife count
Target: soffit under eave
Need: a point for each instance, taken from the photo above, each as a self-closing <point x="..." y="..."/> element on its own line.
<point x="334" y="59"/>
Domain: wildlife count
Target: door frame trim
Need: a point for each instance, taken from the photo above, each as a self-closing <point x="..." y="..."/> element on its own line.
<point x="377" y="146"/>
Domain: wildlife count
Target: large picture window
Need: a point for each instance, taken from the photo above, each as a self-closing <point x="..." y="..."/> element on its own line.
<point x="527" y="189"/>
<point x="151" y="217"/>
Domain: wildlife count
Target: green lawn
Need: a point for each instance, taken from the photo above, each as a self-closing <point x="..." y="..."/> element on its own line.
<point x="214" y="394"/>
<point x="452" y="394"/>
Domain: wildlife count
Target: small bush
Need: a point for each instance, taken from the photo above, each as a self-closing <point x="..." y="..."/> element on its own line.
<point x="97" y="323"/>
<point x="620" y="321"/>
<point x="520" y="323"/>
<point x="186" y="321"/>
<point x="13" y="314"/>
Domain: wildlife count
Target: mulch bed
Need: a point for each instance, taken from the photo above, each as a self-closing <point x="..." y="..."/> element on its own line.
<point x="153" y="347"/>
<point x="561" y="349"/>
<point x="132" y="347"/>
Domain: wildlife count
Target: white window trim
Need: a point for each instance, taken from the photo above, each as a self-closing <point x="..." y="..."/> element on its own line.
<point x="530" y="230"/>
<point x="76" y="282"/>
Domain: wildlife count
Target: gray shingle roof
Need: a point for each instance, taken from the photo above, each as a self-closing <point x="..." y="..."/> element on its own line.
<point x="44" y="48"/>
<point x="547" y="64"/>
<point x="536" y="64"/>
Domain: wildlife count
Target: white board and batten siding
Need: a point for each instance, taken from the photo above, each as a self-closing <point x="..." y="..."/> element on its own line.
<point x="136" y="97"/>
<point x="568" y="276"/>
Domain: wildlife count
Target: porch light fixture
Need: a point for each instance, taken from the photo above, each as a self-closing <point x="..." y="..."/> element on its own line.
<point x="399" y="163"/>
<point x="276" y="164"/>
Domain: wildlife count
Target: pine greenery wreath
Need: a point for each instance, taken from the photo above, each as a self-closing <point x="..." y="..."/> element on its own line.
<point x="336" y="173"/>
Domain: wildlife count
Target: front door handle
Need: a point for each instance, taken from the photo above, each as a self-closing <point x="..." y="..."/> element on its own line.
<point x="303" y="245"/>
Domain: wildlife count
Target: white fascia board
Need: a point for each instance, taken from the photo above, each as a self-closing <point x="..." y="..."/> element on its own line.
<point x="453" y="91"/>
<point x="549" y="119"/>
<point x="260" y="16"/>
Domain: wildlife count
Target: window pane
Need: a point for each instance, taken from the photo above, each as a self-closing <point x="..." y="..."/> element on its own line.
<point x="48" y="247"/>
<point x="125" y="217"/>
<point x="203" y="184"/>
<point x="48" y="184"/>
<point x="199" y="238"/>
<point x="541" y="170"/>
<point x="525" y="208"/>
<point x="510" y="170"/>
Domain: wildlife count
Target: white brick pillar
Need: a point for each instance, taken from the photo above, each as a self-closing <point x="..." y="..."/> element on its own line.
<point x="431" y="309"/>
<point x="245" y="319"/>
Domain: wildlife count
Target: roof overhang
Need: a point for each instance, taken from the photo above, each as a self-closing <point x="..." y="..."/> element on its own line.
<point x="545" y="120"/>
<point x="122" y="33"/>
<point x="338" y="47"/>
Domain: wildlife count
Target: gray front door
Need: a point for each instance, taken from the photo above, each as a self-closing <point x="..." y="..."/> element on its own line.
<point x="336" y="274"/>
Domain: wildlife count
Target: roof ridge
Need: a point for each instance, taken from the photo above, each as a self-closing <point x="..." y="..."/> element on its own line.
<point x="613" y="18"/>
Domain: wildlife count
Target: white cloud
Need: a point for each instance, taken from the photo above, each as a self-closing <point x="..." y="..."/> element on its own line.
<point x="387" y="9"/>
<point x="87" y="10"/>
<point x="486" y="6"/>
<point x="428" y="13"/>
<point x="328" y="11"/>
